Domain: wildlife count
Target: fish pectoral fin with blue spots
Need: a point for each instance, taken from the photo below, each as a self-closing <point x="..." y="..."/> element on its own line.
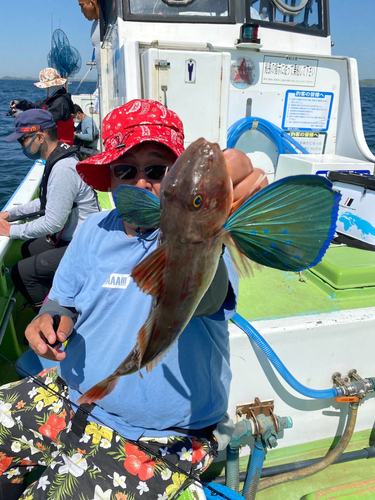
<point x="137" y="206"/>
<point x="289" y="224"/>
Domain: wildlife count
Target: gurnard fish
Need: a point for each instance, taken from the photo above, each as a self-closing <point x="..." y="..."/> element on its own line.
<point x="288" y="226"/>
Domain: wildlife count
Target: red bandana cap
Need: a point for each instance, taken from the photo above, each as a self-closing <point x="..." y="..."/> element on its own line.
<point x="127" y="126"/>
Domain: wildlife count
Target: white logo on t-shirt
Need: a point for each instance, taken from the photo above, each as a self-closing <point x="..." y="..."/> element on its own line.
<point x="118" y="281"/>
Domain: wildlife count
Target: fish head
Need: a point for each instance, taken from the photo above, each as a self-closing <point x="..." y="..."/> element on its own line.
<point x="197" y="194"/>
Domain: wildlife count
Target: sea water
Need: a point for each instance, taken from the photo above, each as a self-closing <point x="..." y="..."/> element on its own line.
<point x="14" y="165"/>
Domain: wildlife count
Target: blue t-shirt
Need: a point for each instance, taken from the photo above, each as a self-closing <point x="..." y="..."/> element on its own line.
<point x="189" y="388"/>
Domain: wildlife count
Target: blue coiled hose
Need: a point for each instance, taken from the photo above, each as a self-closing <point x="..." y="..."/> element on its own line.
<point x="253" y="334"/>
<point x="285" y="144"/>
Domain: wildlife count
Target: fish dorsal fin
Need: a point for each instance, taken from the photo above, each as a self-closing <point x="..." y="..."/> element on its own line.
<point x="149" y="273"/>
<point x="137" y="206"/>
<point x="289" y="224"/>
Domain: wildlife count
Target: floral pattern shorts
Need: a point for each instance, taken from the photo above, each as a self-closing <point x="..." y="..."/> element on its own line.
<point x="35" y="429"/>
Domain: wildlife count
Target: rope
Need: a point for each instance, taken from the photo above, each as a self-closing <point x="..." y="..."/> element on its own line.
<point x="83" y="79"/>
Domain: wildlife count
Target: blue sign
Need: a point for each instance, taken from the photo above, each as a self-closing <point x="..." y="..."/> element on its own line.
<point x="307" y="110"/>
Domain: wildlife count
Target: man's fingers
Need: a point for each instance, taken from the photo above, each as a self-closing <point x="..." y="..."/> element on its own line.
<point x="240" y="164"/>
<point x="41" y="336"/>
<point x="38" y="331"/>
<point x="52" y="353"/>
<point x="64" y="328"/>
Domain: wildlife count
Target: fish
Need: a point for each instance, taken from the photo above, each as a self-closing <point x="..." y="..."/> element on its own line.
<point x="288" y="225"/>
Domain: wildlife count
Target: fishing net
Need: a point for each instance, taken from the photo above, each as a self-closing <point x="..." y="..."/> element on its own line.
<point x="63" y="57"/>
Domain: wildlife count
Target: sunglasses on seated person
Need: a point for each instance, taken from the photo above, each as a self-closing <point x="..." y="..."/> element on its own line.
<point x="130" y="172"/>
<point x="22" y="139"/>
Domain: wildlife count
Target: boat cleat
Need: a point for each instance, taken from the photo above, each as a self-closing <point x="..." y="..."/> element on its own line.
<point x="352" y="386"/>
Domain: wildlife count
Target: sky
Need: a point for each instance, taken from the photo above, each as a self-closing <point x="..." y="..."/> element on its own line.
<point x="26" y="28"/>
<point x="25" y="34"/>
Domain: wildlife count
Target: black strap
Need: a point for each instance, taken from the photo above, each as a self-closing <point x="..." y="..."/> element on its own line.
<point x="205" y="433"/>
<point x="62" y="151"/>
<point x="79" y="420"/>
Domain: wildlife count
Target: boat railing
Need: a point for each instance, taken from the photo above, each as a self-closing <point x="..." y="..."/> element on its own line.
<point x="25" y="192"/>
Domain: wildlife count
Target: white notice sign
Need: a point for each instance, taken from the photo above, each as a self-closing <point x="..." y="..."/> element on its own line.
<point x="313" y="142"/>
<point x="307" y="110"/>
<point x="289" y="70"/>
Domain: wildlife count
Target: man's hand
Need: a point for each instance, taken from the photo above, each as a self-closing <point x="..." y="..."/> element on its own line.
<point x="4" y="215"/>
<point x="244" y="176"/>
<point x="4" y="227"/>
<point x="40" y="331"/>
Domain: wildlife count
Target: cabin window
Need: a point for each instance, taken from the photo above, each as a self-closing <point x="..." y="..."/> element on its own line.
<point x="305" y="16"/>
<point x="180" y="7"/>
<point x="208" y="11"/>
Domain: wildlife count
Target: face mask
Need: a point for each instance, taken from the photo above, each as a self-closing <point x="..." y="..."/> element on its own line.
<point x="26" y="151"/>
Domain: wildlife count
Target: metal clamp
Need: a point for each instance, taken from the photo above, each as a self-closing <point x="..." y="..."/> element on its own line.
<point x="162" y="64"/>
<point x="353" y="384"/>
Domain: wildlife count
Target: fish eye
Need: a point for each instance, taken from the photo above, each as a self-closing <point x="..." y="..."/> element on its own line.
<point x="198" y="200"/>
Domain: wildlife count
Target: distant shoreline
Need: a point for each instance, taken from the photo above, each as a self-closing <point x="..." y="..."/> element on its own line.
<point x="367" y="83"/>
<point x="36" y="79"/>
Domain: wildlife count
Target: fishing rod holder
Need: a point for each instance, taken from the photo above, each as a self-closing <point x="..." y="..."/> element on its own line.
<point x="353" y="384"/>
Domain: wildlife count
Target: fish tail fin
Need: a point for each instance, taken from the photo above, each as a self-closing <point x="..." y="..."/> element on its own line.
<point x="100" y="390"/>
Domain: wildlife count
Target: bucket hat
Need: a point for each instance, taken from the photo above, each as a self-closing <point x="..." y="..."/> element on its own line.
<point x="127" y="126"/>
<point x="49" y="77"/>
<point x="31" y="120"/>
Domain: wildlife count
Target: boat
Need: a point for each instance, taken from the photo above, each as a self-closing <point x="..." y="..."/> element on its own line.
<point x="260" y="76"/>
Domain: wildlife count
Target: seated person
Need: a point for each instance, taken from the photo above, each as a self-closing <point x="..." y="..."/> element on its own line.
<point x="64" y="201"/>
<point x="86" y="132"/>
<point x="151" y="430"/>
<point x="58" y="102"/>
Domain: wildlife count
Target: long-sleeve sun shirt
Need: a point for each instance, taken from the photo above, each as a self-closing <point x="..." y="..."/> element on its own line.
<point x="65" y="188"/>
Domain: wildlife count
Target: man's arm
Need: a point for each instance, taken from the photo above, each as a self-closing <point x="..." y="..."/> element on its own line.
<point x="63" y="187"/>
<point x="29" y="208"/>
<point x="23" y="104"/>
<point x="87" y="131"/>
<point x="60" y="109"/>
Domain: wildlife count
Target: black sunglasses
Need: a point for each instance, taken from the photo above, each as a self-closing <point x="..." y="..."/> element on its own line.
<point x="128" y="172"/>
<point x="22" y="139"/>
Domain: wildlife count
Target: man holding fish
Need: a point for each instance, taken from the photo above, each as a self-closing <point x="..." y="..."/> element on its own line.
<point x="168" y="292"/>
